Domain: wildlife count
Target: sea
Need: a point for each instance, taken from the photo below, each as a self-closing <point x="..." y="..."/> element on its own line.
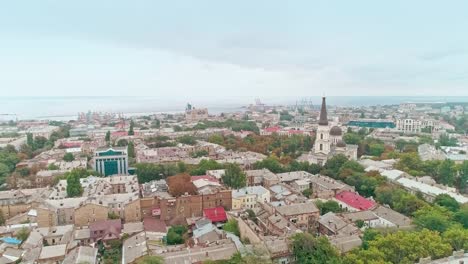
<point x="67" y="108"/>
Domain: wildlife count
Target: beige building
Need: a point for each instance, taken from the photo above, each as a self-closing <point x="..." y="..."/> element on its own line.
<point x="303" y="215"/>
<point x="82" y="211"/>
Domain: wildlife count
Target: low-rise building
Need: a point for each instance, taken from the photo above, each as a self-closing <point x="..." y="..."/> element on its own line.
<point x="303" y="215"/>
<point x="105" y="230"/>
<point x="352" y="201"/>
<point x="248" y="197"/>
<point x="80" y="255"/>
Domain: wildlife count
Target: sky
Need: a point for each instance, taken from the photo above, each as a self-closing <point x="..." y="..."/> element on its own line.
<point x="216" y="49"/>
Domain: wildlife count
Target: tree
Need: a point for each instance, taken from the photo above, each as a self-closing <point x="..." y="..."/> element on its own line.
<point x="156" y="124"/>
<point x="4" y="170"/>
<point x="462" y="216"/>
<point x="68" y="157"/>
<point x="151" y="260"/>
<point x="23" y="234"/>
<point x="122" y="142"/>
<point x="108" y="136"/>
<point x="175" y="235"/>
<point x="307" y="193"/>
<point x="352" y="138"/>
<point x="410" y="162"/>
<point x="333" y="165"/>
<point x="216" y="139"/>
<point x="457" y="237"/>
<point x="130" y="130"/>
<point x="433" y="218"/>
<point x="2" y="217"/>
<point x="407" y="204"/>
<point x="234" y="177"/>
<point x="463" y="178"/>
<point x="352" y="166"/>
<point x="328" y="206"/>
<point x="204" y="165"/>
<point x="30" y="140"/>
<point x="370" y="234"/>
<point x="447" y="201"/>
<point x="74" y="188"/>
<point x="113" y="215"/>
<point x="447" y="172"/>
<point x="445" y="140"/>
<point x="188" y="140"/>
<point x="23" y="171"/>
<point x="52" y="166"/>
<point x="409" y="247"/>
<point x="180" y="184"/>
<point x="270" y="163"/>
<point x="232" y="226"/>
<point x="131" y="149"/>
<point x="376" y="149"/>
<point x="308" y="249"/>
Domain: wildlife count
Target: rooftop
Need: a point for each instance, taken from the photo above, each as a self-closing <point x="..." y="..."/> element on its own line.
<point x="297" y="209"/>
<point x="355" y="200"/>
<point x="52" y="252"/>
<point x="216" y="214"/>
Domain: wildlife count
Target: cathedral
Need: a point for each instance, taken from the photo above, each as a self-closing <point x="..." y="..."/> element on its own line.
<point x="328" y="141"/>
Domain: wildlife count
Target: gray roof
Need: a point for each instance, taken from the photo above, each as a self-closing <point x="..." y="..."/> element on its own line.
<point x="53" y="251"/>
<point x="392" y="216"/>
<point x="256" y="190"/>
<point x="360" y="215"/>
<point x="297" y="209"/>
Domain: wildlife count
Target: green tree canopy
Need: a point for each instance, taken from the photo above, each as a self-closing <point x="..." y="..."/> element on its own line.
<point x="68" y="157"/>
<point x="234" y="177"/>
<point x="131" y="132"/>
<point x="328" y="206"/>
<point x="447" y="201"/>
<point x="232" y="226"/>
<point x="433" y="218"/>
<point x="74" y="188"/>
<point x="151" y="260"/>
<point x="308" y="249"/>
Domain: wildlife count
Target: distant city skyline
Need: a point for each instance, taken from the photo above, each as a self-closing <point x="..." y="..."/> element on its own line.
<point x="219" y="49"/>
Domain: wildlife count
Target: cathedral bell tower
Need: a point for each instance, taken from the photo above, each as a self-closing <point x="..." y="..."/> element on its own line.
<point x="322" y="140"/>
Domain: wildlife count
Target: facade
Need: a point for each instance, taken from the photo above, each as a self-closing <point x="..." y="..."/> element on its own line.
<point x="372" y="123"/>
<point x="111" y="161"/>
<point x="410" y="125"/>
<point x="177" y="209"/>
<point x="303" y="215"/>
<point x="248" y="197"/>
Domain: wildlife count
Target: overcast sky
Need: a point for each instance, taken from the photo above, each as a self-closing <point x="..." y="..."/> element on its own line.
<point x="233" y="48"/>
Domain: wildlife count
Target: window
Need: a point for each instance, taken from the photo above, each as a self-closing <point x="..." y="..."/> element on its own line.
<point x="321" y="146"/>
<point x="321" y="136"/>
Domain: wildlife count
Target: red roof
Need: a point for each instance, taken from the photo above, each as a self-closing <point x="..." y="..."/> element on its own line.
<point x="71" y="144"/>
<point x="273" y="129"/>
<point x="355" y="200"/>
<point x="216" y="214"/>
<point x="205" y="177"/>
<point x="119" y="133"/>
<point x="293" y="131"/>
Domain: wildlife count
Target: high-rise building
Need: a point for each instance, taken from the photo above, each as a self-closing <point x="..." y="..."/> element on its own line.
<point x="111" y="161"/>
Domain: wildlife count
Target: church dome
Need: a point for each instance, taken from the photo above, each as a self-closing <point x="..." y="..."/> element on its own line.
<point x="341" y="144"/>
<point x="336" y="131"/>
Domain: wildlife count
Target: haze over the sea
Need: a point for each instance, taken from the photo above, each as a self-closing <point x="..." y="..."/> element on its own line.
<point x="65" y="108"/>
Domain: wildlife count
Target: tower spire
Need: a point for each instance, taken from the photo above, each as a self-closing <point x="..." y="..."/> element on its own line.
<point x="323" y="120"/>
